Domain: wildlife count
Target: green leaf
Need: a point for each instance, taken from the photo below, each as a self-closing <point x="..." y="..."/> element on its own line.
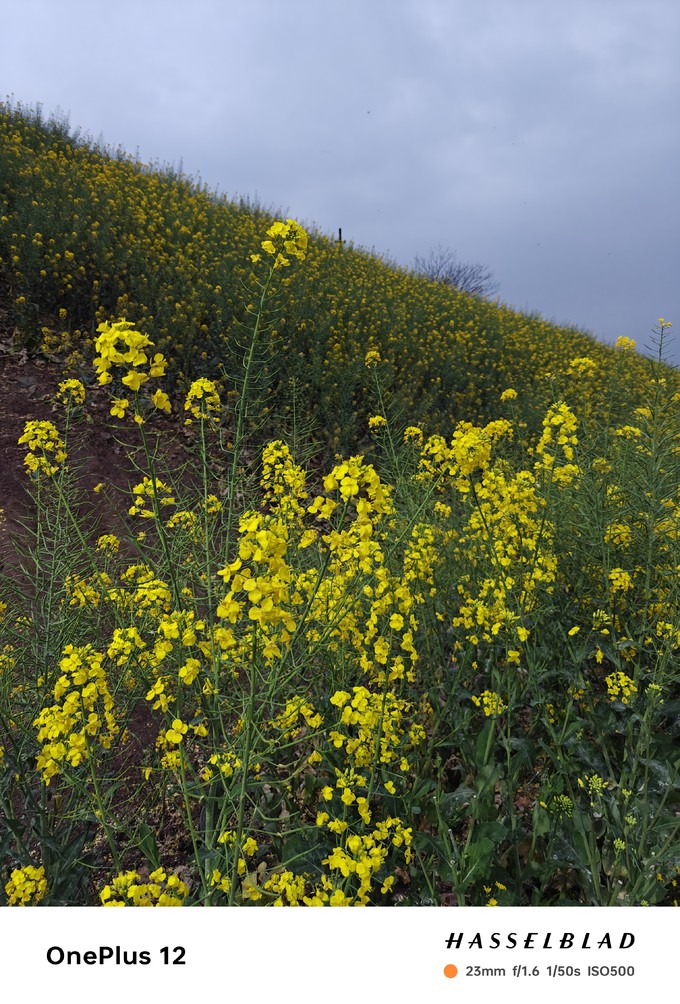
<point x="477" y="860"/>
<point x="494" y="830"/>
<point x="146" y="841"/>
<point x="451" y="803"/>
<point x="483" y="740"/>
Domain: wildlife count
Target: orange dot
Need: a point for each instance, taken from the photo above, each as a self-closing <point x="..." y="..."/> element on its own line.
<point x="450" y="971"/>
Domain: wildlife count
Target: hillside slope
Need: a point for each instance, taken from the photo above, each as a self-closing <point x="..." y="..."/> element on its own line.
<point x="89" y="234"/>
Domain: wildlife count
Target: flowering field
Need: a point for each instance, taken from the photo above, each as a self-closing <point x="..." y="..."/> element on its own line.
<point x="437" y="666"/>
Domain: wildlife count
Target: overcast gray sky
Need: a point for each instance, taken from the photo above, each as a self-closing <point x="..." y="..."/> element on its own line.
<point x="538" y="137"/>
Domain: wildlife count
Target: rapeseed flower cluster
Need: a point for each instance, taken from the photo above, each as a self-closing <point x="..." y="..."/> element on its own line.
<point x="120" y="344"/>
<point x="354" y="873"/>
<point x="148" y="494"/>
<point x="361" y="858"/>
<point x="296" y="715"/>
<point x="71" y="392"/>
<point x="490" y="702"/>
<point x="283" y="483"/>
<point x="284" y="241"/>
<point x="47" y="453"/>
<point x="203" y="402"/>
<point x="26" y="886"/>
<point x="128" y="889"/>
<point x="594" y="785"/>
<point x="620" y="687"/>
<point x="620" y="580"/>
<point x="83" y="711"/>
<point x="507" y="535"/>
<point x="373" y="729"/>
<point x="559" y="434"/>
<point x="260" y="581"/>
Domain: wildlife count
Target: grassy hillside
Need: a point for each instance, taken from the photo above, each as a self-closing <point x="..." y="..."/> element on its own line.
<point x="88" y="234"/>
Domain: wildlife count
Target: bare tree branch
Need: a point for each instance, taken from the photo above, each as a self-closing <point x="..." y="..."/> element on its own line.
<point x="443" y="265"/>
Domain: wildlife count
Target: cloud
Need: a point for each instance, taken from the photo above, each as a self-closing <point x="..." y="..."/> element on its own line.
<point x="536" y="138"/>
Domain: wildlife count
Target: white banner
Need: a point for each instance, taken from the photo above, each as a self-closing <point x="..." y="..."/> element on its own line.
<point x="332" y="955"/>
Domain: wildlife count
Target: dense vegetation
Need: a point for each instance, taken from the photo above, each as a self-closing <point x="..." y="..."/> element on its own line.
<point x="89" y="234"/>
<point x="439" y="666"/>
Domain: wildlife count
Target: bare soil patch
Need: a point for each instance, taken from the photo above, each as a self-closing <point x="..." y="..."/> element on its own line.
<point x="98" y="447"/>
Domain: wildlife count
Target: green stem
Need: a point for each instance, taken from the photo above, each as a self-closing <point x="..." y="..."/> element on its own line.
<point x="249" y="729"/>
<point x="242" y="409"/>
<point x="101" y="812"/>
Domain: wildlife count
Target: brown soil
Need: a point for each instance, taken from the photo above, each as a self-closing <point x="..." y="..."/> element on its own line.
<point x="96" y="449"/>
<point x="26" y="389"/>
